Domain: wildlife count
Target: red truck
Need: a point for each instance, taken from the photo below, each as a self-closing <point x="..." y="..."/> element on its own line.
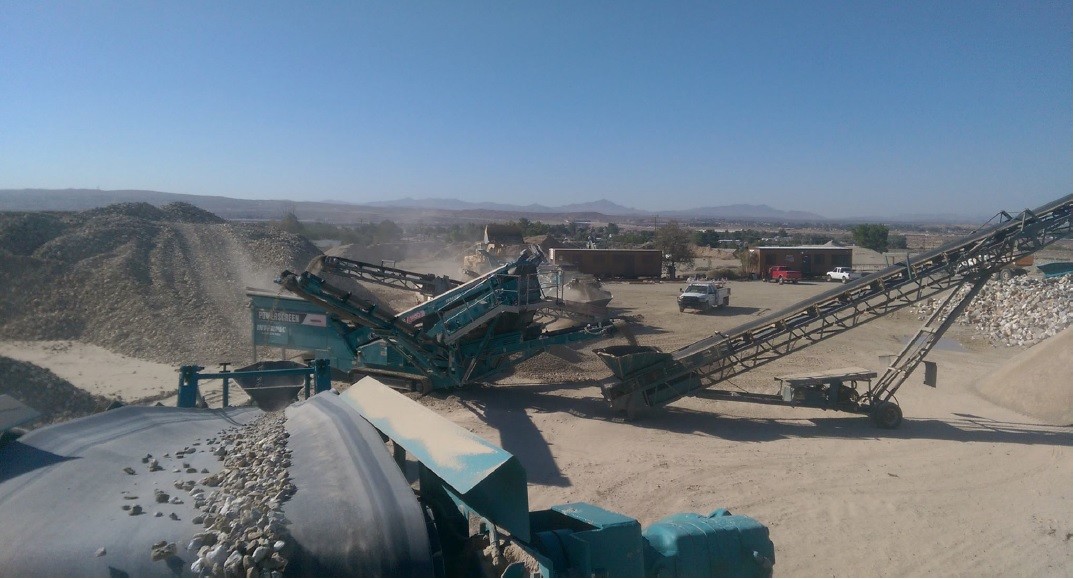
<point x="781" y="274"/>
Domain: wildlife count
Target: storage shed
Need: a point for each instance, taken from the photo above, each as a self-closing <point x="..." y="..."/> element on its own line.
<point x="811" y="260"/>
<point x="610" y="263"/>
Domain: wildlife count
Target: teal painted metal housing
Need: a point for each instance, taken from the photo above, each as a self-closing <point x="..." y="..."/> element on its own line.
<point x="296" y="324"/>
<point x="317" y="374"/>
<point x="464" y="335"/>
<point x="720" y="545"/>
<point x="462" y="476"/>
<point x="1058" y="269"/>
<point x="583" y="540"/>
<point x="476" y="473"/>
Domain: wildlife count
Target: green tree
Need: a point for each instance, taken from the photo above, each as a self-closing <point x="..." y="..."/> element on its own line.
<point x="387" y="231"/>
<point x="871" y="235"/>
<point x="675" y="243"/>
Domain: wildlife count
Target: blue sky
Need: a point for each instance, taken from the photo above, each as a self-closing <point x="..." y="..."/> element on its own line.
<point x="841" y="108"/>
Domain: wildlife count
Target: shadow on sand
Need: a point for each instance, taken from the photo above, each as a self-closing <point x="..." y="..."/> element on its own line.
<point x="505" y="407"/>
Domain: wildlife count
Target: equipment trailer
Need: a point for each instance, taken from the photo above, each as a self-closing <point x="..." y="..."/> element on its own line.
<point x="650" y="378"/>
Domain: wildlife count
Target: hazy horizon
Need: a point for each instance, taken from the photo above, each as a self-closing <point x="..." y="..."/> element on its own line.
<point x="835" y="108"/>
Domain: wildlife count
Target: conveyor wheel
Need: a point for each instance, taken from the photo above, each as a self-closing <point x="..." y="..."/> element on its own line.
<point x="888" y="415"/>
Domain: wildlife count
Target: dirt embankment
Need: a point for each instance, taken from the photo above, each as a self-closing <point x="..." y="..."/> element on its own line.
<point x="164" y="284"/>
<point x="55" y="398"/>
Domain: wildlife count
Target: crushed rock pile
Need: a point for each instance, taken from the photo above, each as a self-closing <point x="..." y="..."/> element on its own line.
<point x="165" y="284"/>
<point x="55" y="398"/>
<point x="245" y="533"/>
<point x="1020" y="311"/>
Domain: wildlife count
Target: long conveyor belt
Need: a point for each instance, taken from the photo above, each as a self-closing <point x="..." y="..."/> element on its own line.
<point x="427" y="284"/>
<point x="65" y="497"/>
<point x="649" y="377"/>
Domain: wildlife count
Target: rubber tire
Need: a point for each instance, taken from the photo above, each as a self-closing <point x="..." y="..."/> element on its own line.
<point x="888" y="415"/>
<point x="707" y="307"/>
<point x="681" y="309"/>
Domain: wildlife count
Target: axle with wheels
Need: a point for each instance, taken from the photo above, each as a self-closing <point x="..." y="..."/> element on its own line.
<point x="835" y="390"/>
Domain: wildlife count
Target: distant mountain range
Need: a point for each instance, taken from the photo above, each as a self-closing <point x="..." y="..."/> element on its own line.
<point x="606" y="207"/>
<point x="408" y="209"/>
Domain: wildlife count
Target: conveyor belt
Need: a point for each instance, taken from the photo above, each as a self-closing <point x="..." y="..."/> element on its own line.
<point x="62" y="488"/>
<point x="425" y="283"/>
<point x="653" y="378"/>
<point x="354" y="514"/>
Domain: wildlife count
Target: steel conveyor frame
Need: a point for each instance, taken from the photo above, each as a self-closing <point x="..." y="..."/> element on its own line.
<point x="659" y="379"/>
<point x="465" y="334"/>
<point x="427" y="284"/>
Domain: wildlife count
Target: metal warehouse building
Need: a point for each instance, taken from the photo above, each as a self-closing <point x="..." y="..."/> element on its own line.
<point x="811" y="260"/>
<point x="607" y="263"/>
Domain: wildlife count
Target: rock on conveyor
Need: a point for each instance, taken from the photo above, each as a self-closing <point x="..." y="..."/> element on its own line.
<point x="1020" y="311"/>
<point x="245" y="532"/>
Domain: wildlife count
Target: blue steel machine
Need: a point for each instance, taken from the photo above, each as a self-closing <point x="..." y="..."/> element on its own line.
<point x="465" y="334"/>
<point x="385" y="487"/>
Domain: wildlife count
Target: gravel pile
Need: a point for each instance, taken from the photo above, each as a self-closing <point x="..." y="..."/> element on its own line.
<point x="55" y="398"/>
<point x="1021" y="311"/>
<point x="245" y="534"/>
<point x="165" y="284"/>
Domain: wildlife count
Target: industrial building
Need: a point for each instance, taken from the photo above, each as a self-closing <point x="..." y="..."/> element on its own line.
<point x="811" y="260"/>
<point x="610" y="263"/>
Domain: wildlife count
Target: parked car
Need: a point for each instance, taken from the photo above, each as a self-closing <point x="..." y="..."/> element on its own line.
<point x="781" y="274"/>
<point x="843" y="274"/>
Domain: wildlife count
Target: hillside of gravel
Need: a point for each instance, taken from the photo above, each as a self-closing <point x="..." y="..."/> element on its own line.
<point x="55" y="398"/>
<point x="161" y="283"/>
<point x="1020" y="312"/>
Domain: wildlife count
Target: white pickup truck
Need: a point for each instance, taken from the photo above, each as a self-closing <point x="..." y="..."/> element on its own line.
<point x="843" y="274"/>
<point x="704" y="296"/>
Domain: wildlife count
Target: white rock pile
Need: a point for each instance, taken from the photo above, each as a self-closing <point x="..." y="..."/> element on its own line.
<point x="1020" y="311"/>
<point x="244" y="532"/>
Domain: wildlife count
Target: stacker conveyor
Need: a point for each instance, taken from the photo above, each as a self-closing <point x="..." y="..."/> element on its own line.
<point x="649" y="377"/>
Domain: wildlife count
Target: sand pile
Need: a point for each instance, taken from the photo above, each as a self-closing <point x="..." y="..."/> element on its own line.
<point x="55" y="398"/>
<point x="165" y="284"/>
<point x="1037" y="382"/>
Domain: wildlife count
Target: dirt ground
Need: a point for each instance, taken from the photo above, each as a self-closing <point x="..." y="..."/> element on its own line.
<point x="965" y="487"/>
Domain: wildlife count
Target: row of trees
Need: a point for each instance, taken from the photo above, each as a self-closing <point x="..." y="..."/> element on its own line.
<point x="361" y="234"/>
<point x="673" y="240"/>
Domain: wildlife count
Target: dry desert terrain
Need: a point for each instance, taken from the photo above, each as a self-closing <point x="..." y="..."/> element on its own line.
<point x="976" y="482"/>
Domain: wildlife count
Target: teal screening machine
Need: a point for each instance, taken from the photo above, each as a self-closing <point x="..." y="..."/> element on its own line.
<point x="464" y="332"/>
